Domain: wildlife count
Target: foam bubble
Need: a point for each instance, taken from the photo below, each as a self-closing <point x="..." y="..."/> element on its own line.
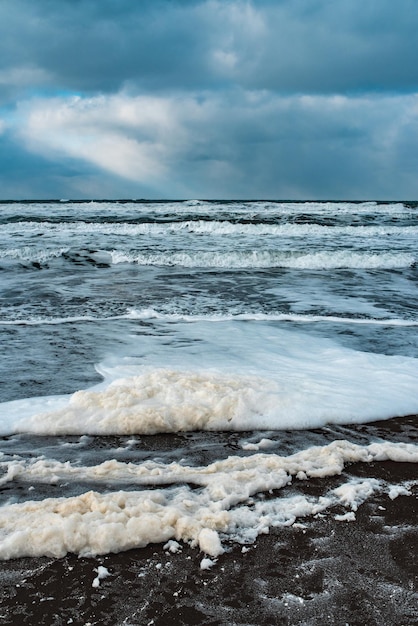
<point x="223" y="509"/>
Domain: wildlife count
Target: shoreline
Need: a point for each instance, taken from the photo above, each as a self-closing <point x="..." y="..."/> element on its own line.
<point x="319" y="572"/>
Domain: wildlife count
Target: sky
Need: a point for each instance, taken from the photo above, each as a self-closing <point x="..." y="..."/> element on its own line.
<point x="231" y="99"/>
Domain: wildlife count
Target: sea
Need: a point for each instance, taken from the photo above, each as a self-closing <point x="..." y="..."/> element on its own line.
<point x="190" y="375"/>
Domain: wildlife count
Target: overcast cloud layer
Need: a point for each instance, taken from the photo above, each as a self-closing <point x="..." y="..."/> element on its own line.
<point x="277" y="99"/>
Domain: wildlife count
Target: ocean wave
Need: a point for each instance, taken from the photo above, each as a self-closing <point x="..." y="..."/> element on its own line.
<point x="55" y="321"/>
<point x="246" y="259"/>
<point x="43" y="256"/>
<point x="29" y="254"/>
<point x="304" y="385"/>
<point x="264" y="259"/>
<point x="100" y="212"/>
<point x="150" y="313"/>
<point x="176" y="316"/>
<point x="209" y="227"/>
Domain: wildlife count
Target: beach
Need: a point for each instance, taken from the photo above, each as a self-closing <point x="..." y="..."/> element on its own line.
<point x="209" y="413"/>
<point x="316" y="571"/>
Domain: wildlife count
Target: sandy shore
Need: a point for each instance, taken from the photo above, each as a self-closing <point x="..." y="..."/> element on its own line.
<point x="318" y="572"/>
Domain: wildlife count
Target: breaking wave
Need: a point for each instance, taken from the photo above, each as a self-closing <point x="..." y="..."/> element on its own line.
<point x="208" y="227"/>
<point x="150" y="314"/>
<point x="270" y="259"/>
<point x="246" y="259"/>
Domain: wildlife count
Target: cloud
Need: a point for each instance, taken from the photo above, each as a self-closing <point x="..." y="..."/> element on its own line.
<point x="210" y="98"/>
<point x="27" y="175"/>
<point x="244" y="143"/>
<point x="99" y="45"/>
<point x="298" y="46"/>
<point x="333" y="47"/>
<point x="133" y="138"/>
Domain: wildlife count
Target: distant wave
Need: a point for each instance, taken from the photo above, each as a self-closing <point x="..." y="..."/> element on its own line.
<point x="150" y="314"/>
<point x="207" y="227"/>
<point x="256" y="211"/>
<point x="246" y="259"/>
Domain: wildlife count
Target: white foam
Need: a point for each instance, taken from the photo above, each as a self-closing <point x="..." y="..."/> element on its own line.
<point x="206" y="227"/>
<point x="234" y="475"/>
<point x="350" y="516"/>
<point x="56" y="321"/>
<point x="354" y="493"/>
<point x="259" y="208"/>
<point x="238" y="377"/>
<point x="339" y="259"/>
<point x="172" y="546"/>
<point x="399" y="490"/>
<point x="150" y="314"/>
<point x="33" y="254"/>
<point x="171" y="401"/>
<point x="261" y="445"/>
<point x="206" y="563"/>
<point x="245" y="259"/>
<point x="210" y="542"/>
<point x="102" y="572"/>
<point x="223" y="509"/>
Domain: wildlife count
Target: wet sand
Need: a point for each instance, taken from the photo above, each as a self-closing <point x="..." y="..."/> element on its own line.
<point x="318" y="572"/>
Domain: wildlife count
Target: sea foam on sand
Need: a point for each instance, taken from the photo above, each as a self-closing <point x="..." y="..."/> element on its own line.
<point x="204" y="506"/>
<point x="238" y="378"/>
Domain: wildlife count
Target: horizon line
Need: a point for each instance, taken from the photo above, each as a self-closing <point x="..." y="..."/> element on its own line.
<point x="214" y="200"/>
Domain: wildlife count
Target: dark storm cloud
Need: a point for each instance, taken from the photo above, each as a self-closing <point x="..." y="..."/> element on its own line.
<point x="261" y="145"/>
<point x="296" y="46"/>
<point x="100" y="45"/>
<point x="209" y="98"/>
